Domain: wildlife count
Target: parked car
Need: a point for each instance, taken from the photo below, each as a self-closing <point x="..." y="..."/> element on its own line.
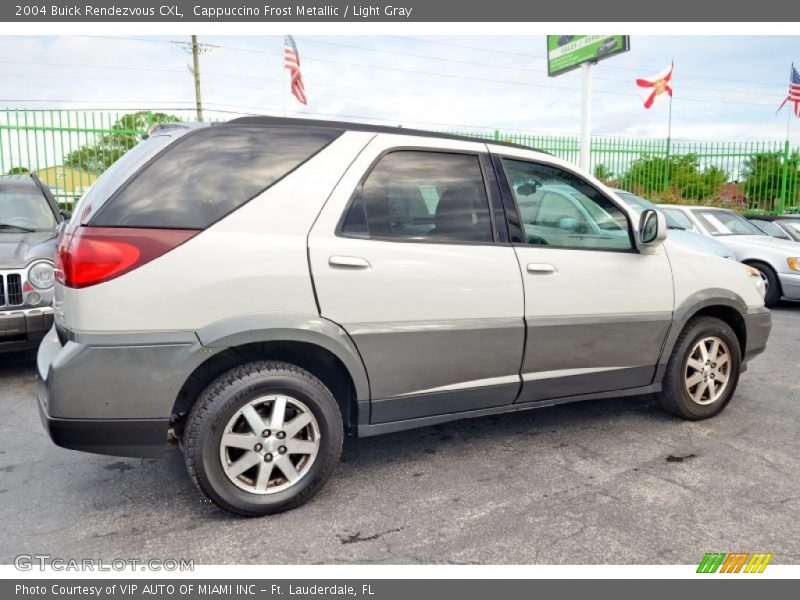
<point x="345" y="277"/>
<point x="677" y="229"/>
<point x="29" y="217"/>
<point x="785" y="227"/>
<point x="778" y="261"/>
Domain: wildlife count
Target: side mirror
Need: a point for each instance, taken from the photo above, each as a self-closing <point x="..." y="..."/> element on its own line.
<point x="65" y="215"/>
<point x="652" y="228"/>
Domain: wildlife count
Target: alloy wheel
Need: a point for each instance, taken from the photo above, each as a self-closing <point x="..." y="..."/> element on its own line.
<point x="269" y="444"/>
<point x="708" y="370"/>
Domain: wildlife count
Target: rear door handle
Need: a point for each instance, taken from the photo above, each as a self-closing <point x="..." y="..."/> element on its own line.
<point x="541" y="268"/>
<point x="349" y="262"/>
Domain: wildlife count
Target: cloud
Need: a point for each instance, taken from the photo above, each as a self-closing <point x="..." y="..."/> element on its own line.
<point x="726" y="88"/>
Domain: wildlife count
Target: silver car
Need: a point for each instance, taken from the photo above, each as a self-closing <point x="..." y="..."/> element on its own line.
<point x="679" y="230"/>
<point x="778" y="261"/>
<point x="785" y="227"/>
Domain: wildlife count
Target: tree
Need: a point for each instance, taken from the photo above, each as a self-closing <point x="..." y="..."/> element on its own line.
<point x="603" y="173"/>
<point x="762" y="176"/>
<point x="126" y="132"/>
<point x="677" y="177"/>
<point x="18" y="171"/>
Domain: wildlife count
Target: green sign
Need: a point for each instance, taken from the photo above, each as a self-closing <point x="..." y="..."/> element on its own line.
<point x="567" y="52"/>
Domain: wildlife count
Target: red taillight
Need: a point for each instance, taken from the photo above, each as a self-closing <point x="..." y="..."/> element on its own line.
<point x="92" y="255"/>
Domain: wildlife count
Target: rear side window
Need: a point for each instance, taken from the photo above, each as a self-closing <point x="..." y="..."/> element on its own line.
<point x="422" y="196"/>
<point x="207" y="174"/>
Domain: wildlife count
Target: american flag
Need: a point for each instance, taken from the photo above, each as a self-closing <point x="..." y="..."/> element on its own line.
<point x="794" y="92"/>
<point x="291" y="60"/>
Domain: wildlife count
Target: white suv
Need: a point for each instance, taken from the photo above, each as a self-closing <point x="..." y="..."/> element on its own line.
<point x="260" y="287"/>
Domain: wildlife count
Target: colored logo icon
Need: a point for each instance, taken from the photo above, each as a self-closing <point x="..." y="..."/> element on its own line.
<point x="734" y="562"/>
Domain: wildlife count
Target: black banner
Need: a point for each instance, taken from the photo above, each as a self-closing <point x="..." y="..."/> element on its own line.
<point x="610" y="11"/>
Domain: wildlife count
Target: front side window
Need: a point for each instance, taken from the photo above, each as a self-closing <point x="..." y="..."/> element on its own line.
<point x="560" y="209"/>
<point x="24" y="207"/>
<point x="422" y="196"/>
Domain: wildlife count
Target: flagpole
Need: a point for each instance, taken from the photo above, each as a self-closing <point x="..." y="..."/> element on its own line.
<point x="789" y="112"/>
<point x="669" y="137"/>
<point x="785" y="176"/>
<point x="283" y="81"/>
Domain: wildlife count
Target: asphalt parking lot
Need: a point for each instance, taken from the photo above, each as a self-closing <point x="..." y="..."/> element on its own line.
<point x="614" y="481"/>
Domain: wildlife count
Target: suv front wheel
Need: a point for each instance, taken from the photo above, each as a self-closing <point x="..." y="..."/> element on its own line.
<point x="263" y="438"/>
<point x="703" y="370"/>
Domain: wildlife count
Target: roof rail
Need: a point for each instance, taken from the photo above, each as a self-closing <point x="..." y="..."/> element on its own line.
<point x="350" y="126"/>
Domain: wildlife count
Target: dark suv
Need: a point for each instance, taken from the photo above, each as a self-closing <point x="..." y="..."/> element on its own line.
<point x="29" y="218"/>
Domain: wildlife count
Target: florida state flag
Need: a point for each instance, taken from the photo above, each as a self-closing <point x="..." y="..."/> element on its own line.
<point x="655" y="87"/>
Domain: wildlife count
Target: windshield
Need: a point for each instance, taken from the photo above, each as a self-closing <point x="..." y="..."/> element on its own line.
<point x="640" y="205"/>
<point x="678" y="218"/>
<point x="723" y="222"/>
<point x="25" y="208"/>
<point x="636" y="203"/>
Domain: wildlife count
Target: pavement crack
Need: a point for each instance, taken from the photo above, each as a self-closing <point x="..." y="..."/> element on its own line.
<point x="353" y="538"/>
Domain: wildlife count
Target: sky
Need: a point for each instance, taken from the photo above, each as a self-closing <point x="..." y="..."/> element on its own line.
<point x="725" y="88"/>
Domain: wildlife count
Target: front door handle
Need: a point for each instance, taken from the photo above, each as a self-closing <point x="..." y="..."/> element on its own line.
<point x="349" y="262"/>
<point x="541" y="268"/>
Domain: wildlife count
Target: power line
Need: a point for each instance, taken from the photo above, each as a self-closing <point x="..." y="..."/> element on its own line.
<point x="605" y="64"/>
<point x="398" y="69"/>
<point x="473" y="63"/>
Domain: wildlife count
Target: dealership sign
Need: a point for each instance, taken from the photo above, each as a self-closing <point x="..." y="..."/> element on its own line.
<point x="568" y="52"/>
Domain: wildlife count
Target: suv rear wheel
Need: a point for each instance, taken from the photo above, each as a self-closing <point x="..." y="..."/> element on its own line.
<point x="263" y="438"/>
<point x="703" y="371"/>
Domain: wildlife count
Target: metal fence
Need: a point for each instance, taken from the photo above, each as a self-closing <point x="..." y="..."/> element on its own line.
<point x="745" y="176"/>
<point x="69" y="149"/>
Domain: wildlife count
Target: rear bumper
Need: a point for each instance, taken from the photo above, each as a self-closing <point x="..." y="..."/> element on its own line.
<point x="144" y="438"/>
<point x="758" y="325"/>
<point x="790" y="285"/>
<point x="112" y="398"/>
<point x="23" y="329"/>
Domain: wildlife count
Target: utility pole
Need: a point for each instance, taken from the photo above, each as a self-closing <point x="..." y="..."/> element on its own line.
<point x="196" y="73"/>
<point x="195" y="48"/>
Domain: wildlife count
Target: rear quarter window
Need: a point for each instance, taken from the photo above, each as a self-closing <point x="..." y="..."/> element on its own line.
<point x="207" y="174"/>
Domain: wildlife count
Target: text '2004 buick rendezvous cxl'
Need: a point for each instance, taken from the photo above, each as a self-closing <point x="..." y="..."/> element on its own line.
<point x="261" y="286"/>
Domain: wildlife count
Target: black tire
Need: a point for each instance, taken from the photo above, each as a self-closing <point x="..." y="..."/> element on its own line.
<point x="774" y="292"/>
<point x="217" y="405"/>
<point x="674" y="397"/>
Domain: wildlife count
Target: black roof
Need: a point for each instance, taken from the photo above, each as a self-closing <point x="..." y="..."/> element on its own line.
<point x="348" y="126"/>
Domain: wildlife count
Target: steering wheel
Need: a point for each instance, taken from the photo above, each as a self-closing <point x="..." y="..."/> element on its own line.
<point x="22" y="222"/>
<point x="535" y="240"/>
